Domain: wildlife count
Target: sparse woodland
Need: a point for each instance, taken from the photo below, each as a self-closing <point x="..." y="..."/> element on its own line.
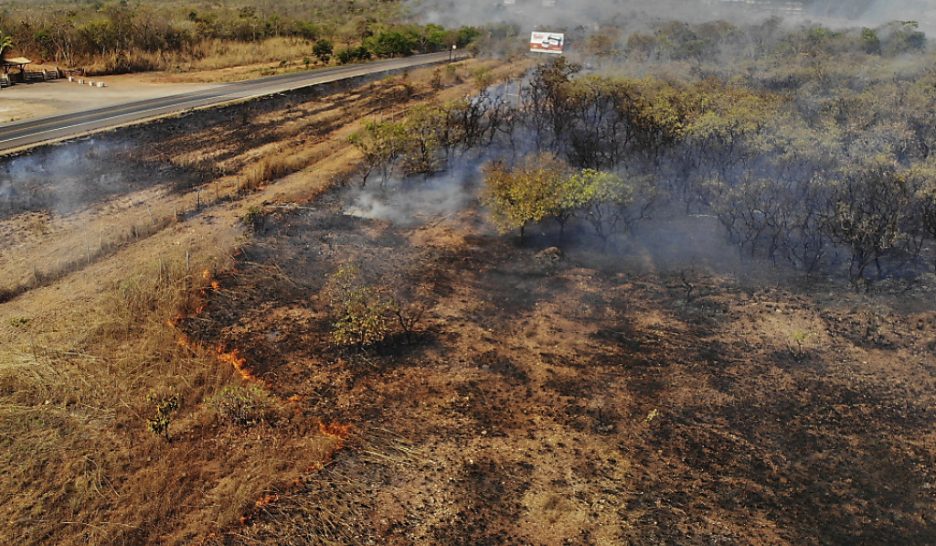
<point x="811" y="146"/>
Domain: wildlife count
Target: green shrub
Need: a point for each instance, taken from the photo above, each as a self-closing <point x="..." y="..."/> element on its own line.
<point x="324" y="50"/>
<point x="244" y="406"/>
<point x="166" y="405"/>
<point x="361" y="313"/>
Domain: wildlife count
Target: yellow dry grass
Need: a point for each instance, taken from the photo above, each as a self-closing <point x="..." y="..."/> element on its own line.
<point x="215" y="60"/>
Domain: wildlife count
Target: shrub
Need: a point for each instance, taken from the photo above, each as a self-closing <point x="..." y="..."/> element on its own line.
<point x="366" y="315"/>
<point x="351" y="54"/>
<point x="323" y="49"/>
<point x="361" y="313"/>
<point x="391" y="44"/>
<point x="253" y="219"/>
<point x="244" y="406"/>
<point x="165" y="405"/>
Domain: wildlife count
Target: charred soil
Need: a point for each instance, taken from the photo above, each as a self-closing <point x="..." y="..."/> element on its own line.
<point x="574" y="402"/>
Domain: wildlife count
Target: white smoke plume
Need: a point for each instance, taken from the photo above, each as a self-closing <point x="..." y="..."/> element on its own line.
<point x="566" y="14"/>
<point x="411" y="202"/>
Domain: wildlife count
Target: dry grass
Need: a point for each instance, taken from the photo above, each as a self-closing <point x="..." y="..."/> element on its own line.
<point x="81" y="412"/>
<point x="273" y="166"/>
<point x="280" y="54"/>
<point x="44" y="276"/>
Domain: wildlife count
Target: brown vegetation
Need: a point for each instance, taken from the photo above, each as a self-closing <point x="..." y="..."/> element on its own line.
<point x="583" y="400"/>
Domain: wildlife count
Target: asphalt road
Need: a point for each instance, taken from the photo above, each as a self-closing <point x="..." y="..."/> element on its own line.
<point x="16" y="136"/>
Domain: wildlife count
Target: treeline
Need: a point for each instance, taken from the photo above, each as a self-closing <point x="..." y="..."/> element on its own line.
<point x="128" y="36"/>
<point x="675" y="40"/>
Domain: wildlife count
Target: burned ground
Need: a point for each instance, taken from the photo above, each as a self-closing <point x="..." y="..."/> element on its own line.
<point x="576" y="403"/>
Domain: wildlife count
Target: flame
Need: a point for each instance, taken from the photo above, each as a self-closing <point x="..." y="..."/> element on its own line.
<point x="266" y="500"/>
<point x="187" y="343"/>
<point x="247" y="518"/>
<point x="215" y="285"/>
<point x="235" y="359"/>
<point x="337" y="431"/>
<point x="232" y="358"/>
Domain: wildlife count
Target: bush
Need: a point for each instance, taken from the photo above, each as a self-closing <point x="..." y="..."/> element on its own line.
<point x="244" y="406"/>
<point x="366" y="315"/>
<point x="352" y="54"/>
<point x="323" y="49"/>
<point x="392" y="44"/>
<point x="165" y="406"/>
<point x="361" y="313"/>
<point x="254" y="219"/>
<point x="867" y="209"/>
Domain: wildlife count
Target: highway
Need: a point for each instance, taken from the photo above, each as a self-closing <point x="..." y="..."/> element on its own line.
<point x="20" y="135"/>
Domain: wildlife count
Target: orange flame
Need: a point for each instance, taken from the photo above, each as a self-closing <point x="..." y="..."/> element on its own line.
<point x="337" y="431"/>
<point x="235" y="359"/>
<point x="266" y="500"/>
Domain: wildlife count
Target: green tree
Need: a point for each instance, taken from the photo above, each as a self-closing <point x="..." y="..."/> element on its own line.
<point x="392" y="43"/>
<point x="604" y="200"/>
<point x="424" y="130"/>
<point x="323" y="49"/>
<point x="527" y="194"/>
<point x="381" y="143"/>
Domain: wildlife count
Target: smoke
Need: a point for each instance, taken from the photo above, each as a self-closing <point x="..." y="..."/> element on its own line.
<point x="70" y="177"/>
<point x="568" y="14"/>
<point x="876" y="12"/>
<point x="62" y="179"/>
<point x="409" y="202"/>
<point x="565" y="13"/>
